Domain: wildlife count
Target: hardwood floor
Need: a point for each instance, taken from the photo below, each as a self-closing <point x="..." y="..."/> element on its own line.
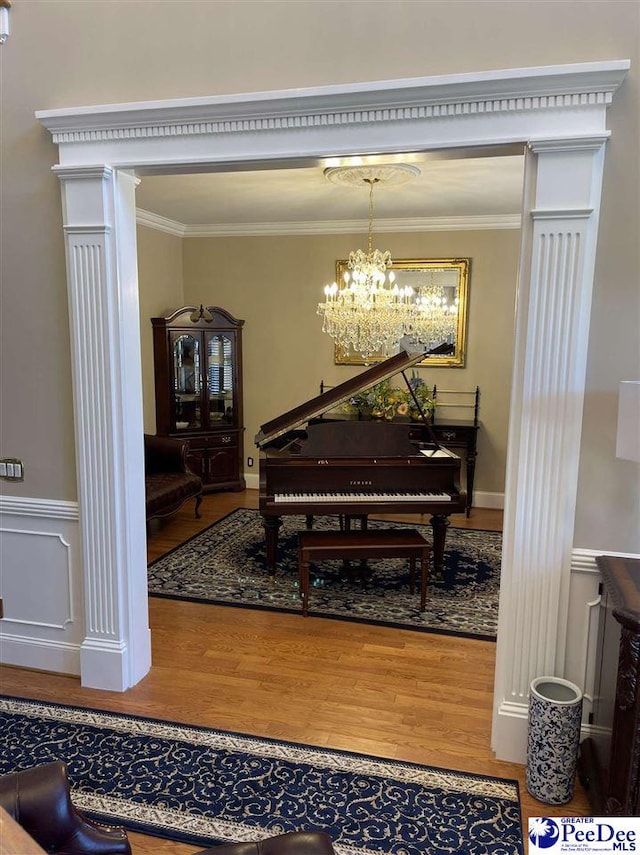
<point x="392" y="693"/>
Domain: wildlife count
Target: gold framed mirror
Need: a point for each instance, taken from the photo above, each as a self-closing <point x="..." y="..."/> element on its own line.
<point x="440" y="292"/>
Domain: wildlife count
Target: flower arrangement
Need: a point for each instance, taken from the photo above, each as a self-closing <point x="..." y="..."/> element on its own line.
<point x="384" y="401"/>
<point x="425" y="398"/>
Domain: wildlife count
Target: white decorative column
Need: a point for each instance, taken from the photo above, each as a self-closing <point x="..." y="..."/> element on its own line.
<point x="99" y="226"/>
<point x="554" y="302"/>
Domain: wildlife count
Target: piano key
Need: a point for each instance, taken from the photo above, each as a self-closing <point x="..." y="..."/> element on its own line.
<point x="298" y="498"/>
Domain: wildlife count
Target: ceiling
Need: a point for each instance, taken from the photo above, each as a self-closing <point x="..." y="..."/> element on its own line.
<point x="455" y="185"/>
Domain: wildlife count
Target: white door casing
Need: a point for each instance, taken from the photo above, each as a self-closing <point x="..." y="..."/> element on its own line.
<point x="558" y="112"/>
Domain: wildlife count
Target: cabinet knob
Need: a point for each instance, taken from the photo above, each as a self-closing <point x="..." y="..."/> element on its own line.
<point x="226" y="439"/>
<point x="448" y="434"/>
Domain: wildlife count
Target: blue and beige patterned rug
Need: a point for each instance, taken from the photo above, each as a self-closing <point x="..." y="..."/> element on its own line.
<point x="225" y="564"/>
<point x="208" y="786"/>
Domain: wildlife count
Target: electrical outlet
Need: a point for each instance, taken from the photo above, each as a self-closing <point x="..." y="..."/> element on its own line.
<point x="11" y="469"/>
<point x="249" y="462"/>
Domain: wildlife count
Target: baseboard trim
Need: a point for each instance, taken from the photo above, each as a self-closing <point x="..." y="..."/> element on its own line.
<point x="252" y="481"/>
<point x="493" y="501"/>
<point x="511" y="746"/>
<point x="27" y="652"/>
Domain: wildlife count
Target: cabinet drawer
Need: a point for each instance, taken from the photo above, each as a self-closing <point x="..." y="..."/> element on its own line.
<point x="448" y="435"/>
<point x="455" y="433"/>
<point x="223" y="440"/>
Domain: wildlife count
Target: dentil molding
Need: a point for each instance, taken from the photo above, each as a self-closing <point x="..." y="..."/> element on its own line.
<point x="513" y="90"/>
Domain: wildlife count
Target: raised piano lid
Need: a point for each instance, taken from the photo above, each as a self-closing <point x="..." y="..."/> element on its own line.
<point x="336" y="395"/>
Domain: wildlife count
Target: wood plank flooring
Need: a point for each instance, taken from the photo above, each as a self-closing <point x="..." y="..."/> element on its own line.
<point x="392" y="693"/>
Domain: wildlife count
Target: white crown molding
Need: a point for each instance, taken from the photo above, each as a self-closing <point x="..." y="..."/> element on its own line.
<point x="526" y="89"/>
<point x="328" y="227"/>
<point x="160" y="224"/>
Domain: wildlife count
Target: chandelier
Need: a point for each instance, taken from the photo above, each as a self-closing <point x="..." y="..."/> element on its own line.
<point x="368" y="312"/>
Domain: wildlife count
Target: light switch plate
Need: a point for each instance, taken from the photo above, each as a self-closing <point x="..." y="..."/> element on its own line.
<point x="11" y="469"/>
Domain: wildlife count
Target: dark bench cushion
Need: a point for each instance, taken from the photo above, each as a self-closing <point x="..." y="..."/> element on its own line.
<point x="167" y="491"/>
<point x="169" y="482"/>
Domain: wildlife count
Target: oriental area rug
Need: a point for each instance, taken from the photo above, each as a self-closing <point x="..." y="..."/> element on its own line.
<point x="225" y="564"/>
<point x="204" y="786"/>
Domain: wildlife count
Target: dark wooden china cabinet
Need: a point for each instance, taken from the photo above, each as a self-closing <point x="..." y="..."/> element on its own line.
<point x="198" y="376"/>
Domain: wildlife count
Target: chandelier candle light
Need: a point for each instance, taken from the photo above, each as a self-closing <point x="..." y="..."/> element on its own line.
<point x="368" y="313"/>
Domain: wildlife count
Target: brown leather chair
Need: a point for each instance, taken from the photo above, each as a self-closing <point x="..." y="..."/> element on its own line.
<point x="39" y="800"/>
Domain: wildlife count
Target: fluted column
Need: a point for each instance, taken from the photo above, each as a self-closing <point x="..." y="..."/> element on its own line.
<point x="104" y="322"/>
<point x="554" y="302"/>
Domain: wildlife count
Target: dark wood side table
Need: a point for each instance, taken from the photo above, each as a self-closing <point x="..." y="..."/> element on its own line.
<point x="609" y="765"/>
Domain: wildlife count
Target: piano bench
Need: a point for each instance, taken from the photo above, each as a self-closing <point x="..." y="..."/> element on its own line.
<point x="367" y="543"/>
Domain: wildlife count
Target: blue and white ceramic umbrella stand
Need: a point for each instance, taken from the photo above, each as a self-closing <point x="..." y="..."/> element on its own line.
<point x="555" y="714"/>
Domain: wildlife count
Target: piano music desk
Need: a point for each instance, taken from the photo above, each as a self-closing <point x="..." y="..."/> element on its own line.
<point x="347" y="545"/>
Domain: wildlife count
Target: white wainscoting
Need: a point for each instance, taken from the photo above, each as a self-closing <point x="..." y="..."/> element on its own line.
<point x="582" y="624"/>
<point x="41" y="584"/>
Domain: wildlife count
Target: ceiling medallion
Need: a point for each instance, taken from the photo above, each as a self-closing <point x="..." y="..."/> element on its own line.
<point x="356" y="176"/>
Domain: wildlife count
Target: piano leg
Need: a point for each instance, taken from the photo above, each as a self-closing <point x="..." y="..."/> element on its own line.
<point x="345" y="525"/>
<point x="271" y="529"/>
<point x="439" y="524"/>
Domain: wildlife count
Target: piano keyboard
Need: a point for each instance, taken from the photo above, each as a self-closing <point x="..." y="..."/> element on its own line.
<point x="342" y="498"/>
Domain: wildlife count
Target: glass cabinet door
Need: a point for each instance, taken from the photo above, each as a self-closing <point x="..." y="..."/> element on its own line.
<point x="187" y="382"/>
<point x="220" y="379"/>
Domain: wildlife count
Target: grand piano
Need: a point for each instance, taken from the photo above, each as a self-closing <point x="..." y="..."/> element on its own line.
<point x="313" y="462"/>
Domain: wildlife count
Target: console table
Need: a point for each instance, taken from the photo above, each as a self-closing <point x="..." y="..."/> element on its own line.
<point x="609" y="764"/>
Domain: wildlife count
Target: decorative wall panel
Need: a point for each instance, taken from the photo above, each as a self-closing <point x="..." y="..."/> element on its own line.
<point x="41" y="584"/>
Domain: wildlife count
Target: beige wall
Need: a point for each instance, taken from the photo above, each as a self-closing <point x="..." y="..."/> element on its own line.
<point x="71" y="53"/>
<point x="275" y="283"/>
<point x="160" y="291"/>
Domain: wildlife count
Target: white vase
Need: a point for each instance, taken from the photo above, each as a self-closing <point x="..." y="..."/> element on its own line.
<point x="555" y="714"/>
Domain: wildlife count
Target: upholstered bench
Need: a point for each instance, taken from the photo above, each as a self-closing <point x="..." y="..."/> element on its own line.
<point x="168" y="481"/>
<point x="365" y="543"/>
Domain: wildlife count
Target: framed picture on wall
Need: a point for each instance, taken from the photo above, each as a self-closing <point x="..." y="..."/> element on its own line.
<point x="439" y="289"/>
